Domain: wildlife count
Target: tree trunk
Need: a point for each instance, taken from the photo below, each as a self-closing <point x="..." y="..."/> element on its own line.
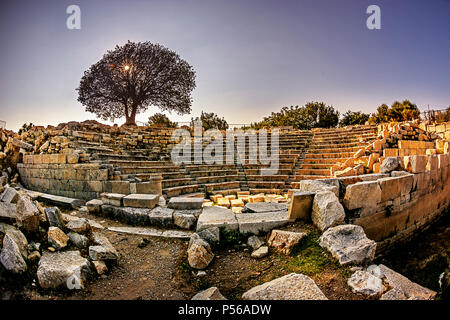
<point x="130" y="120"/>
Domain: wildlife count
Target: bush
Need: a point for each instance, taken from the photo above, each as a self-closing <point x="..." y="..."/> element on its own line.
<point x="399" y="111"/>
<point x="211" y="121"/>
<point x="161" y="120"/>
<point x="353" y="118"/>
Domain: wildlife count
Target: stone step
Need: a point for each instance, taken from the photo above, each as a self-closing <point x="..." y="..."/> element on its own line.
<point x="267" y="190"/>
<point x="226" y="192"/>
<point x="168" y="183"/>
<point x="215" y="179"/>
<point x="176" y="191"/>
<point x="329" y="155"/>
<point x="307" y="172"/>
<point x="257" y="172"/>
<point x="266" y="184"/>
<point x="334" y="150"/>
<point x="130" y="170"/>
<point x="267" y="177"/>
<point x="195" y="174"/>
<point x="152" y="232"/>
<point x="222" y="186"/>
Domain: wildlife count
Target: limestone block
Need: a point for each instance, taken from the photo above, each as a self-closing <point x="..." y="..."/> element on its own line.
<point x="217" y="217"/>
<point x="113" y="199"/>
<point x="415" y="164"/>
<point x="122" y="187"/>
<point x="390" y="188"/>
<point x="151" y="187"/>
<point x="301" y="205"/>
<point x="362" y="194"/>
<point x="141" y="200"/>
<point x="185" y="203"/>
<point x="432" y="163"/>
<point x="327" y="210"/>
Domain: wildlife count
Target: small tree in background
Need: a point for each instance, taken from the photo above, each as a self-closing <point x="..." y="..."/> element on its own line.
<point x="211" y="121"/>
<point x="312" y="115"/>
<point x="353" y="118"/>
<point x="161" y="120"/>
<point x="399" y="111"/>
<point x="130" y="78"/>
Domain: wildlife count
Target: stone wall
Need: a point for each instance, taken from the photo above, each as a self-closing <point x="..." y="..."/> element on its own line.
<point x="392" y="208"/>
<point x="441" y="129"/>
<point x="52" y="174"/>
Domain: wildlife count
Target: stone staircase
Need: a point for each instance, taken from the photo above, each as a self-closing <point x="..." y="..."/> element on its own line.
<point x="329" y="147"/>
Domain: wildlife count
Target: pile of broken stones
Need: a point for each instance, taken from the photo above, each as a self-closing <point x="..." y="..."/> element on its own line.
<point x="61" y="250"/>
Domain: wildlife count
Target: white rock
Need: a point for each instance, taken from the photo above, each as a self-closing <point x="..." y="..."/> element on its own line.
<point x="365" y="283"/>
<point x="260" y="252"/>
<point x="199" y="254"/>
<point x="327" y="211"/>
<point x="209" y="294"/>
<point x="11" y="257"/>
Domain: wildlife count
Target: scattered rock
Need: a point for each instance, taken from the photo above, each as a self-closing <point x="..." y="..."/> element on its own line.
<point x="183" y="220"/>
<point x="100" y="267"/>
<point x="80" y="241"/>
<point x="210" y="235"/>
<point x="394" y="294"/>
<point x="254" y="242"/>
<point x="293" y="286"/>
<point x="57" y="238"/>
<point x="79" y="225"/>
<point x="365" y="283"/>
<point x="143" y="243"/>
<point x="103" y="250"/>
<point x="200" y="254"/>
<point x="9" y="195"/>
<point x="27" y="214"/>
<point x="349" y="244"/>
<point x="34" y="257"/>
<point x="11" y="257"/>
<point x="260" y="252"/>
<point x="389" y="164"/>
<point x="327" y="211"/>
<point x="284" y="241"/>
<point x="54" y="217"/>
<point x="94" y="206"/>
<point x="209" y="294"/>
<point x="63" y="269"/>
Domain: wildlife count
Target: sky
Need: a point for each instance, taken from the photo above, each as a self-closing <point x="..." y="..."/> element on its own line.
<point x="251" y="57"/>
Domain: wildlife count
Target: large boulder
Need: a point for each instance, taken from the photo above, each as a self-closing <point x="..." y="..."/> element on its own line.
<point x="209" y="294"/>
<point x="293" y="286"/>
<point x="317" y="186"/>
<point x="63" y="269"/>
<point x="199" y="254"/>
<point x="284" y="241"/>
<point x="349" y="244"/>
<point x="79" y="225"/>
<point x="327" y="211"/>
<point x="79" y="240"/>
<point x="11" y="256"/>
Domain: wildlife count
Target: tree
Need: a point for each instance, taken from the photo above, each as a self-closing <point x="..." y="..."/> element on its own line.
<point x="161" y="120"/>
<point x="312" y="115"/>
<point x="353" y="118"/>
<point x="399" y="111"/>
<point x="211" y="121"/>
<point x="130" y="78"/>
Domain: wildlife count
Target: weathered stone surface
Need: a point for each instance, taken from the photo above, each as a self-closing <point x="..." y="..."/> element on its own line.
<point x="254" y="242"/>
<point x="349" y="244"/>
<point x="79" y="225"/>
<point x="327" y="210"/>
<point x="61" y="201"/>
<point x="317" y="186"/>
<point x="301" y="205"/>
<point x="365" y="283"/>
<point x="200" y="254"/>
<point x="389" y="164"/>
<point x="11" y="256"/>
<point x="284" y="241"/>
<point x="415" y="164"/>
<point x="17" y="236"/>
<point x="210" y="235"/>
<point x="390" y="188"/>
<point x="209" y="294"/>
<point x="410" y="289"/>
<point x="394" y="294"/>
<point x="161" y="216"/>
<point x="57" y="238"/>
<point x="260" y="252"/>
<point x="94" y="206"/>
<point x="54" y="217"/>
<point x="78" y="240"/>
<point x="257" y="207"/>
<point x="100" y="267"/>
<point x="217" y="217"/>
<point x="177" y="234"/>
<point x="9" y="195"/>
<point x="27" y="214"/>
<point x="8" y="211"/>
<point x="113" y="199"/>
<point x="134" y="216"/>
<point x="141" y="200"/>
<point x="258" y="223"/>
<point x="184" y="220"/>
<point x="293" y="286"/>
<point x="103" y="250"/>
<point x="362" y="195"/>
<point x="185" y="203"/>
<point x="63" y="269"/>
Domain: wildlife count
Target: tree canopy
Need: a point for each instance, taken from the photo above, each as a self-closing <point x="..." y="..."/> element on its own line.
<point x="353" y="118"/>
<point x="211" y="121"/>
<point x="312" y="115"/>
<point x="132" y="77"/>
<point x="399" y="111"/>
